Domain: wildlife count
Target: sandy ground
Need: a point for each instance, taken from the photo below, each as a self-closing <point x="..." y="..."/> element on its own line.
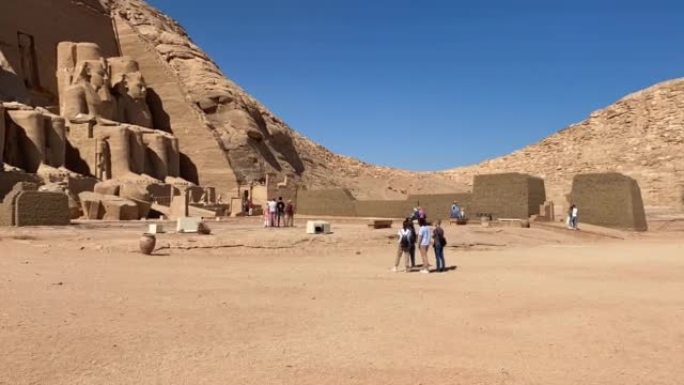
<point x="80" y="305"/>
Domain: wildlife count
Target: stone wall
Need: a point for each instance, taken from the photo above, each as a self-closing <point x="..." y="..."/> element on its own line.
<point x="383" y="208"/>
<point x="609" y="199"/>
<point x="284" y="187"/>
<point x="23" y="205"/>
<point x="509" y="195"/>
<point x="38" y="208"/>
<point x="438" y="206"/>
<point x="340" y="202"/>
<point x="335" y="202"/>
<point x="50" y="22"/>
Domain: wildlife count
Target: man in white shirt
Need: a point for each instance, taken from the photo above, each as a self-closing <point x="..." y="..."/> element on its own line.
<point x="573" y="217"/>
<point x="272" y="205"/>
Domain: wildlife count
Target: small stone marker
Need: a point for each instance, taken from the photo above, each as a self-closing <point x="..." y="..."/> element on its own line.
<point x="188" y="224"/>
<point x="155" y="228"/>
<point x="317" y="227"/>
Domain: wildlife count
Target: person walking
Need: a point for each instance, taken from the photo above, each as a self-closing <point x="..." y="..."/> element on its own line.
<point x="573" y="216"/>
<point x="289" y="214"/>
<point x="438" y="243"/>
<point x="280" y="210"/>
<point x="403" y="249"/>
<point x="424" y="238"/>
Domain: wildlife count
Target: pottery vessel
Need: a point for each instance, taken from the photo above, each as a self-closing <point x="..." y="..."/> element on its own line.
<point x="147" y="243"/>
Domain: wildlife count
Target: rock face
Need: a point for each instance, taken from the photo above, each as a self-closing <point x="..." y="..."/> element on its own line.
<point x="229" y="136"/>
<point x="641" y="136"/>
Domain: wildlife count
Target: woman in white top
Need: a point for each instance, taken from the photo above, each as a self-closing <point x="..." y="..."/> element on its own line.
<point x="424" y="239"/>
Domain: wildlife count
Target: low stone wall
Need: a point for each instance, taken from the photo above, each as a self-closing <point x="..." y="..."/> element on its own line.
<point x="340" y="202"/>
<point x="438" y="206"/>
<point x="508" y="195"/>
<point x="383" y="208"/>
<point x="610" y="200"/>
<point x="335" y="202"/>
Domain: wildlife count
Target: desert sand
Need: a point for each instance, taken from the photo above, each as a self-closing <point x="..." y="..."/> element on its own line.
<point x="247" y="305"/>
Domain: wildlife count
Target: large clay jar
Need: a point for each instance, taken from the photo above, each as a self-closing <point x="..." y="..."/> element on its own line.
<point x="147" y="242"/>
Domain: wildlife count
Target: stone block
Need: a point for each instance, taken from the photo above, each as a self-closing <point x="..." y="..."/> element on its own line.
<point x="317" y="227"/>
<point x="110" y="207"/>
<point x="155" y="228"/>
<point x="188" y="224"/>
<point x="508" y="195"/>
<point x="609" y="199"/>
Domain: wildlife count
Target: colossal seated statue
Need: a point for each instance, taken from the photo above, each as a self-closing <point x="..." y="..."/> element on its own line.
<point x="104" y="100"/>
<point x="38" y="142"/>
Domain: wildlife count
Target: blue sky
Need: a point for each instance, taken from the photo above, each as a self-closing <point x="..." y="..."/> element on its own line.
<point x="428" y="85"/>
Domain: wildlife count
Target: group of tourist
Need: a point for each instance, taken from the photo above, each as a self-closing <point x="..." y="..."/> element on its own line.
<point x="424" y="239"/>
<point x="277" y="211"/>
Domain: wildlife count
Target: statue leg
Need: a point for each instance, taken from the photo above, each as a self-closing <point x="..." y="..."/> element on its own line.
<point x="56" y="141"/>
<point x="32" y="124"/>
<point x="158" y="155"/>
<point x="137" y="151"/>
<point x="119" y="142"/>
<point x="173" y="157"/>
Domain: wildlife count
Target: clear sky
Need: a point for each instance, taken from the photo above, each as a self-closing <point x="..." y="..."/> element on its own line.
<point x="428" y="85"/>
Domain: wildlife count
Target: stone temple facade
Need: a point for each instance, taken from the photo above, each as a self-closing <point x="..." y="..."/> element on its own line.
<point x="100" y="103"/>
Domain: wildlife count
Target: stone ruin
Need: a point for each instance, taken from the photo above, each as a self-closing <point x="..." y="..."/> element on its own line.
<point x="25" y="205"/>
<point x="102" y="153"/>
<point x="257" y="192"/>
<point x="610" y="200"/>
<point x="507" y="195"/>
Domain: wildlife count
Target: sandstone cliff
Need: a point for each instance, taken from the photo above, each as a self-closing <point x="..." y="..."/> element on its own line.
<point x="641" y="135"/>
<point x="247" y="134"/>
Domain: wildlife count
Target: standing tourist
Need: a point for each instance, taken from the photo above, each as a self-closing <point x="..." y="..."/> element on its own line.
<point x="289" y="214"/>
<point x="438" y="242"/>
<point x="424" y="236"/>
<point x="280" y="210"/>
<point x="414" y="240"/>
<point x="403" y="249"/>
<point x="272" y="207"/>
<point x="267" y="216"/>
<point x="573" y="216"/>
<point x="455" y="211"/>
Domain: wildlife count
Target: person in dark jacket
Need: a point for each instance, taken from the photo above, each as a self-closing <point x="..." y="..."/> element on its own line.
<point x="438" y="243"/>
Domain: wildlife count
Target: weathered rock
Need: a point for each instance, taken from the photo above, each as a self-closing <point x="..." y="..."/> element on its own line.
<point x="110" y="207"/>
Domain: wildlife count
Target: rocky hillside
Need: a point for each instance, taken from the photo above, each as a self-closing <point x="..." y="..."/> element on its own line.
<point x="641" y="135"/>
<point x="252" y="138"/>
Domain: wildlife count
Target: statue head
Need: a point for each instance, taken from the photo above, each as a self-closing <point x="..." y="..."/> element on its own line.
<point x="134" y="85"/>
<point x="93" y="72"/>
<point x="127" y="78"/>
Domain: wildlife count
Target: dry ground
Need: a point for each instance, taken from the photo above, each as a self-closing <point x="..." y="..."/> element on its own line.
<point x="245" y="305"/>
